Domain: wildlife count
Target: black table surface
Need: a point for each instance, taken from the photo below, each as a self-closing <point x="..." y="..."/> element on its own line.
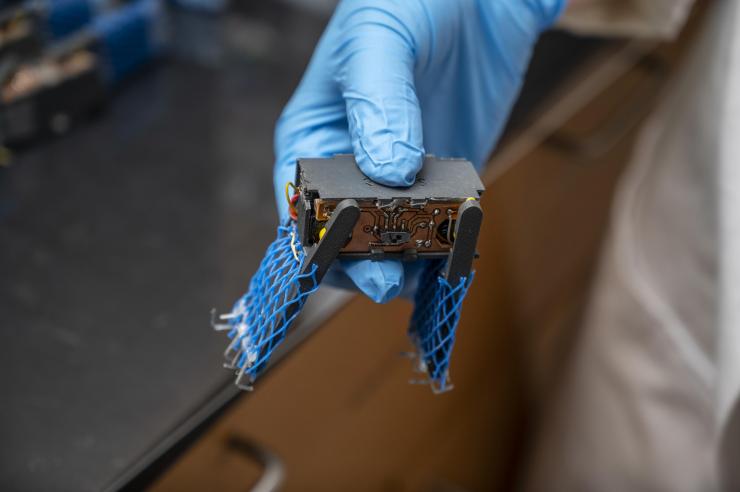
<point x="117" y="239"/>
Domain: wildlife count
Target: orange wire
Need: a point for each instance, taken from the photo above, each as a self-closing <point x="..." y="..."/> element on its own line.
<point x="291" y="200"/>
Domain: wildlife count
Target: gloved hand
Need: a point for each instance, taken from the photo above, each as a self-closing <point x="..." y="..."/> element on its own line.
<point x="391" y="80"/>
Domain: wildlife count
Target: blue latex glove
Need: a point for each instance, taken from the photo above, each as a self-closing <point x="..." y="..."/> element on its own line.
<point x="391" y="80"/>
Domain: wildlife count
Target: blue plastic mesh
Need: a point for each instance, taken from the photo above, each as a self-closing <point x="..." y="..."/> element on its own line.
<point x="260" y="319"/>
<point x="433" y="324"/>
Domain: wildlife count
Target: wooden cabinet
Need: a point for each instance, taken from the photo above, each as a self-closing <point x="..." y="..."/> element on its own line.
<point x="552" y="209"/>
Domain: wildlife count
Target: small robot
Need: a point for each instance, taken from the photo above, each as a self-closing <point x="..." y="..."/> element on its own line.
<point x="341" y="213"/>
<point x="337" y="212"/>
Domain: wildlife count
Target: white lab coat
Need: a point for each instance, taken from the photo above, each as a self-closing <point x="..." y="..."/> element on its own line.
<point x="650" y="399"/>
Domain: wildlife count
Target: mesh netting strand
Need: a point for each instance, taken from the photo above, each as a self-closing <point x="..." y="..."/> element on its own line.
<point x="433" y="324"/>
<point x="277" y="292"/>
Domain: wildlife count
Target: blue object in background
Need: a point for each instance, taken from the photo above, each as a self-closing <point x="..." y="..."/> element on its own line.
<point x="65" y="17"/>
<point x="130" y="37"/>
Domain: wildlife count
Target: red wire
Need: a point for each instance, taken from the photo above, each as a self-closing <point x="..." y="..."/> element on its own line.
<point x="293" y="213"/>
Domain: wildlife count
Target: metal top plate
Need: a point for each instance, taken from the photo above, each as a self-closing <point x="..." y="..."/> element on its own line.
<point x="339" y="177"/>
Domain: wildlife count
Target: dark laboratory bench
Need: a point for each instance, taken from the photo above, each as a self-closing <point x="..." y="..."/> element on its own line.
<point x="117" y="240"/>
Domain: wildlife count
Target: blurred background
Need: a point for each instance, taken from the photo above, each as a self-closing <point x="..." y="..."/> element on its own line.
<point x="135" y="195"/>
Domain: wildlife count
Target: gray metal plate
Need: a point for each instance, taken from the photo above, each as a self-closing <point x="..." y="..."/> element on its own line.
<point x="339" y="178"/>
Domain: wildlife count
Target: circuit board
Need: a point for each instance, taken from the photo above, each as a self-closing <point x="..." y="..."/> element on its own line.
<point x="406" y="223"/>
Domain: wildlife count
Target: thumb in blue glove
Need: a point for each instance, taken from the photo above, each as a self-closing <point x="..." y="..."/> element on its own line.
<point x="391" y="77"/>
